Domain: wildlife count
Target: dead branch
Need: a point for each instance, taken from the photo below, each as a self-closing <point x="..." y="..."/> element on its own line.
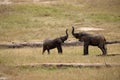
<point x="34" y="44"/>
<point x="39" y="44"/>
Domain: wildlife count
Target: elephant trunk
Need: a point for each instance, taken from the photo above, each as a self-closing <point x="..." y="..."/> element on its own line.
<point x="63" y="38"/>
<point x="76" y="35"/>
<point x="66" y="33"/>
<point x="73" y="31"/>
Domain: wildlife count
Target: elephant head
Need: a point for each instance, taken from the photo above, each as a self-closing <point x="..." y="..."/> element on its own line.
<point x="80" y="36"/>
<point x="63" y="38"/>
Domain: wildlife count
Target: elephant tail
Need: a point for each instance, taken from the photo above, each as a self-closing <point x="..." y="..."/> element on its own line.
<point x="113" y="42"/>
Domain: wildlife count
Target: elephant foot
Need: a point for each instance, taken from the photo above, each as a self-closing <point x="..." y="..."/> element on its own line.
<point x="85" y="54"/>
<point x="102" y="55"/>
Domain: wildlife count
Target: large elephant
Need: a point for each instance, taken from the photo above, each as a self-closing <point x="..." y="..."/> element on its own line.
<point x="55" y="43"/>
<point x="91" y="39"/>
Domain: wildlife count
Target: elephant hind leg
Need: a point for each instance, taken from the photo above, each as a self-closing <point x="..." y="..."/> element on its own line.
<point x="48" y="51"/>
<point x="103" y="49"/>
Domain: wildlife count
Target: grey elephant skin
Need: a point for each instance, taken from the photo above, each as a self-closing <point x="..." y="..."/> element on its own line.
<point x="55" y="43"/>
<point x="91" y="39"/>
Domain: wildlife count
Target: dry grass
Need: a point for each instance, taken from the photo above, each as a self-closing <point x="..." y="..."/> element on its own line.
<point x="35" y="22"/>
<point x="10" y="57"/>
<point x="71" y="54"/>
<point x="69" y="74"/>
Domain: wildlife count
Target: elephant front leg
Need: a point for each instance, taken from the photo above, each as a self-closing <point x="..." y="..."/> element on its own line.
<point x="59" y="48"/>
<point x="43" y="50"/>
<point x="86" y="49"/>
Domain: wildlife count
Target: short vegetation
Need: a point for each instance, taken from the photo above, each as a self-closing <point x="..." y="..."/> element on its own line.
<point x="31" y="22"/>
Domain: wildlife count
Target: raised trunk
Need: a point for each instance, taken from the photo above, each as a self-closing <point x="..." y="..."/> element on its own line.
<point x="66" y="33"/>
<point x="63" y="38"/>
<point x="73" y="31"/>
<point x="76" y="35"/>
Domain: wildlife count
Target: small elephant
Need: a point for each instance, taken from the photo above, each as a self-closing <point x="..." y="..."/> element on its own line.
<point x="55" y="43"/>
<point x="91" y="39"/>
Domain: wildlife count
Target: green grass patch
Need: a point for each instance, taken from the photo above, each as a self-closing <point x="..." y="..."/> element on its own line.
<point x="18" y="22"/>
<point x="104" y="17"/>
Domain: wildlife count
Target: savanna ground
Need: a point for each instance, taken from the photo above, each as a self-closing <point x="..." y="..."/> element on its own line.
<point x="36" y="22"/>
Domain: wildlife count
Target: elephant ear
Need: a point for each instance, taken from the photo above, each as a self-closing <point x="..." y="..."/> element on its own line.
<point x="76" y="35"/>
<point x="82" y="36"/>
<point x="82" y="39"/>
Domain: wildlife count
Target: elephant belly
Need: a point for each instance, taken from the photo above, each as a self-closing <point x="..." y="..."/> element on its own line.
<point x="94" y="42"/>
<point x="50" y="46"/>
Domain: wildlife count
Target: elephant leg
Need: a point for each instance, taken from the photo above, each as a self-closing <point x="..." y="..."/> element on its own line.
<point x="48" y="51"/>
<point x="59" y="48"/>
<point x="103" y="49"/>
<point x="86" y="49"/>
<point x="43" y="50"/>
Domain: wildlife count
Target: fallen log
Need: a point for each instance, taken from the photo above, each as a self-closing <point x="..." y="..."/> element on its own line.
<point x="58" y="65"/>
<point x="34" y="44"/>
<point x="21" y="44"/>
<point x="40" y="44"/>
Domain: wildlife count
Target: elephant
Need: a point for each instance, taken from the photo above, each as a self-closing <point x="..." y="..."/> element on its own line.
<point x="91" y="39"/>
<point x="55" y="43"/>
